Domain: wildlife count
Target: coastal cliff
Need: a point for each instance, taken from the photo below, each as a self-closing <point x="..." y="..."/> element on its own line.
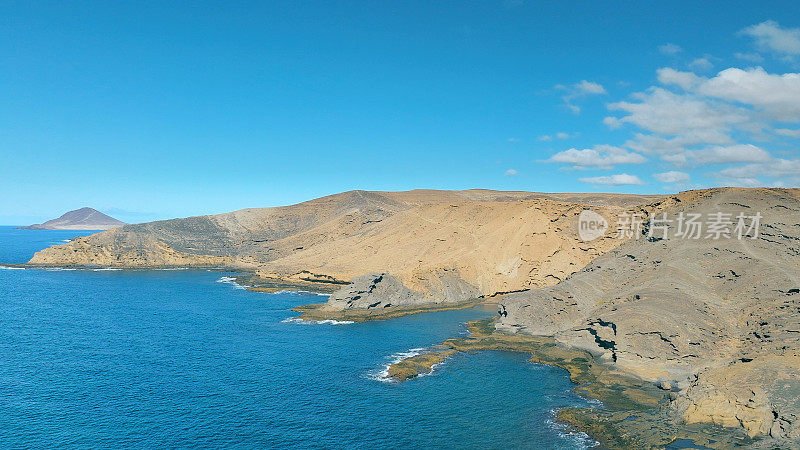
<point x="717" y="318"/>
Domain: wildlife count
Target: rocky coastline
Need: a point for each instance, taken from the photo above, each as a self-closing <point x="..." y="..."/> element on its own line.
<point x="715" y="320"/>
<point x="631" y="412"/>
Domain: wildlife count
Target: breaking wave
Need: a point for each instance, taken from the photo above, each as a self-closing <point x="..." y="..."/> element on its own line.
<point x="578" y="438"/>
<point x="231" y="281"/>
<point x="382" y="374"/>
<point x="316" y="322"/>
<point x="321" y="294"/>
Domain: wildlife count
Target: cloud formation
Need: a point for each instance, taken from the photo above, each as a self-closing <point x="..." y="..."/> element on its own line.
<point x="670" y="49"/>
<point x="601" y="156"/>
<point x="614" y="180"/>
<point x="735" y="122"/>
<point x="778" y="96"/>
<point x="578" y="90"/>
<point x="769" y="35"/>
<point x="673" y="176"/>
<point x="701" y="64"/>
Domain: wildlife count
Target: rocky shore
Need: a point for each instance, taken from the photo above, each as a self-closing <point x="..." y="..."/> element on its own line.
<point x="632" y="413"/>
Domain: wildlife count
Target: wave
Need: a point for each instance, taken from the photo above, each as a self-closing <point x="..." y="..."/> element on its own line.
<point x="106" y="269"/>
<point x="382" y="374"/>
<point x="577" y="438"/>
<point x="175" y="268"/>
<point x="11" y="268"/>
<point x="321" y="294"/>
<point x="316" y="322"/>
<point x="232" y="281"/>
<point x="59" y="269"/>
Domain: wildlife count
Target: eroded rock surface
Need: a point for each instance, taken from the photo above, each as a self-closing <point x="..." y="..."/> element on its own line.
<point x="718" y="316"/>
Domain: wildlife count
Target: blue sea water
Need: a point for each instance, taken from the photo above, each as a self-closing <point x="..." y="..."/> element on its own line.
<point x="178" y="358"/>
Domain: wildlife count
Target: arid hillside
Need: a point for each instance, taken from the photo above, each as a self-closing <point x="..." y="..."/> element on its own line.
<point x="492" y="241"/>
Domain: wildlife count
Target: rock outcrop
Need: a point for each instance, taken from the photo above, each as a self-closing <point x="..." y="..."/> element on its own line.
<point x="718" y="316"/>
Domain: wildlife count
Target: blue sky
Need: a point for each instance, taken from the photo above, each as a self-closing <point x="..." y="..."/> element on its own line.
<point x="153" y="110"/>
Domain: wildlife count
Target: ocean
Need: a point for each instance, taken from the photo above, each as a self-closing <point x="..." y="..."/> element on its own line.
<point x="185" y="358"/>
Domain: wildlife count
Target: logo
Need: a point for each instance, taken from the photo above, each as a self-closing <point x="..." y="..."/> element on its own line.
<point x="591" y="225"/>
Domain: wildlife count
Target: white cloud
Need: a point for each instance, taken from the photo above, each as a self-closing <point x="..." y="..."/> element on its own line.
<point x="787" y="132"/>
<point x="513" y="139"/>
<point x="729" y="154"/>
<point x="770" y="35"/>
<point x="670" y="49"/>
<point x="578" y="90"/>
<point x="612" y="122"/>
<point x="614" y="180"/>
<point x="680" y="151"/>
<point x="749" y="57"/>
<point x="774" y="169"/>
<point x="663" y="112"/>
<point x="604" y="156"/>
<point x="672" y="176"/>
<point x="559" y="135"/>
<point x="777" y="95"/>
<point x="701" y="64"/>
<point x="510" y="173"/>
<point x="672" y="150"/>
<point x="590" y="87"/>
<point x="690" y="120"/>
<point x="686" y="80"/>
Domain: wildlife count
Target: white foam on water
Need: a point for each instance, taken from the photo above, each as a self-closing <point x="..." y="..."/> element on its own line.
<point x="382" y="374"/>
<point x="302" y="292"/>
<point x="59" y="269"/>
<point x="174" y="268"/>
<point x="578" y="438"/>
<point x="316" y="322"/>
<point x="11" y="268"/>
<point x="106" y="269"/>
<point x="232" y="281"/>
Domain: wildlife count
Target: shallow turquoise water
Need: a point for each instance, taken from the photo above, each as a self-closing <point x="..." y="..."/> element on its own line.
<point x="177" y="358"/>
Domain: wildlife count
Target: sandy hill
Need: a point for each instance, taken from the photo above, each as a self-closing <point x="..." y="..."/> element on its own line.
<point x="80" y="219"/>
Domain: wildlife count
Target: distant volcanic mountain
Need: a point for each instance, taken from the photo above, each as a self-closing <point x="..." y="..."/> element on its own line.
<point x="79" y="219"/>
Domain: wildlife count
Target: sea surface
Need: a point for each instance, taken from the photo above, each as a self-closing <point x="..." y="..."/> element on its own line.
<point x="185" y="358"/>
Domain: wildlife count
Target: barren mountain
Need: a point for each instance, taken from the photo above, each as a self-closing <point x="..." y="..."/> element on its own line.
<point x="79" y="219"/>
